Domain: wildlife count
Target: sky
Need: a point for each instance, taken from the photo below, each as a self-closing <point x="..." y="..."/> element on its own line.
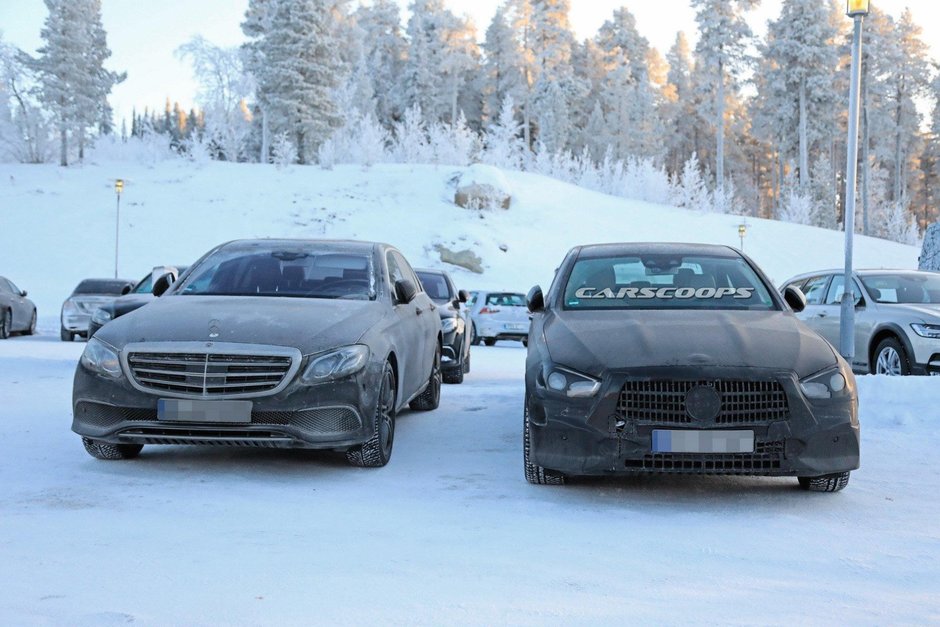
<point x="143" y="35"/>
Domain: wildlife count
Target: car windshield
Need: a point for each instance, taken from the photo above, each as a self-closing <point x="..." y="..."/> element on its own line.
<point x="908" y="288"/>
<point x="295" y="272"/>
<point x="505" y="300"/>
<point x="101" y="286"/>
<point x="436" y="286"/>
<point x="145" y="286"/>
<point x="666" y="282"/>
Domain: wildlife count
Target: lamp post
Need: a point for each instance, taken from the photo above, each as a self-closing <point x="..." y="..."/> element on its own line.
<point x="857" y="10"/>
<point x="118" y="189"/>
<point x="742" y="231"/>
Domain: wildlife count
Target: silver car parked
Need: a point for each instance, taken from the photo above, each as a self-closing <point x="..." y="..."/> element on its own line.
<point x="87" y="297"/>
<point x="897" y="319"/>
<point x="498" y="316"/>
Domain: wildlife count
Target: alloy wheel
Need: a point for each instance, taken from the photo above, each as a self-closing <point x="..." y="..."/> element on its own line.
<point x="889" y="362"/>
<point x="386" y="422"/>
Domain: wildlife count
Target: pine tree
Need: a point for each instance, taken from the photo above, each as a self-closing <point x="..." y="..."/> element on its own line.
<point x="383" y="50"/>
<point x="721" y="58"/>
<point x="295" y="59"/>
<point x="679" y="106"/>
<point x="502" y="66"/>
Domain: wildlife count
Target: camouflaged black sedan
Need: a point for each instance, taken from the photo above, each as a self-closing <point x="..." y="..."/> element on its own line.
<point x="270" y="343"/>
<point x="677" y="358"/>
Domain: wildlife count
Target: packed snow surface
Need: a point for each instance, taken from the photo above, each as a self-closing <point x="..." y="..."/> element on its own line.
<point x="450" y="532"/>
<point x="57" y="224"/>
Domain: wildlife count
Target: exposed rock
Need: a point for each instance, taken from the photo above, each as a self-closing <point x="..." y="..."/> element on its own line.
<point x="463" y="258"/>
<point x="481" y="196"/>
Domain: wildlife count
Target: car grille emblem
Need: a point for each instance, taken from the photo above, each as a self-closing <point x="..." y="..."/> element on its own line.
<point x="703" y="403"/>
<point x="215" y="328"/>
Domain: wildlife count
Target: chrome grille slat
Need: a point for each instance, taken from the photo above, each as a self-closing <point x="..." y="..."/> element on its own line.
<point x="209" y="374"/>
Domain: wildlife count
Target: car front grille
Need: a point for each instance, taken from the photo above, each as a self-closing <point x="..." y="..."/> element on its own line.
<point x="767" y="457"/>
<point x="664" y="402"/>
<point x="208" y="374"/>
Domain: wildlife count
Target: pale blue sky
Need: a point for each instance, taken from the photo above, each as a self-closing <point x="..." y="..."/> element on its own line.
<point x="144" y="34"/>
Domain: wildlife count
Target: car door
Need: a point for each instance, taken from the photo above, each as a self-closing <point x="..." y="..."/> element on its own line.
<point x="19" y="306"/>
<point x="407" y="332"/>
<point x="815" y="313"/>
<point x="832" y="322"/>
<point x="427" y="319"/>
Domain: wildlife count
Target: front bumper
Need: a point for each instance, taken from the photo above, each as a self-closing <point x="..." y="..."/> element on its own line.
<point x="335" y="415"/>
<point x="590" y="437"/>
<point x="76" y="323"/>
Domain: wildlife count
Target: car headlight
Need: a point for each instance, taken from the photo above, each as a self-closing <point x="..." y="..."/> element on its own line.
<point x="828" y="384"/>
<point x="335" y="364"/>
<point x="102" y="359"/>
<point x="570" y="383"/>
<point x="448" y="324"/>
<point x="69" y="308"/>
<point x="101" y="317"/>
<point x="927" y="330"/>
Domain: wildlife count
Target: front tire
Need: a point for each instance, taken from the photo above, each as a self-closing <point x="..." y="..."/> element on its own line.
<point x="891" y="359"/>
<point x="534" y="473"/>
<point x="825" y="483"/>
<point x="107" y="451"/>
<point x="6" y="324"/>
<point x="377" y="450"/>
<point x="32" y="325"/>
<point x="431" y="397"/>
<point x="454" y="375"/>
<point x="489" y="341"/>
<point x="474" y="336"/>
<point x="66" y="335"/>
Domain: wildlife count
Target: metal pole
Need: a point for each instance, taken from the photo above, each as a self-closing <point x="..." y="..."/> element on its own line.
<point x="847" y="319"/>
<point x="117" y="234"/>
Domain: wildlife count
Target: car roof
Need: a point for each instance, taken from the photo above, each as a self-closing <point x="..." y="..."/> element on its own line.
<point x="654" y="248"/>
<point x="331" y="244"/>
<point x="432" y="271"/>
<point x="858" y="272"/>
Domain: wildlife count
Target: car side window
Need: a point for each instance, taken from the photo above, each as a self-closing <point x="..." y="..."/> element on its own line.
<point x="407" y="271"/>
<point x="5" y="287"/>
<point x="815" y="290"/>
<point x="836" y="290"/>
<point x="395" y="273"/>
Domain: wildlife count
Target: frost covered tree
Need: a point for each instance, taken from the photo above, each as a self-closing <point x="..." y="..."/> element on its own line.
<point x="503" y="65"/>
<point x="721" y="59"/>
<point x="224" y="88"/>
<point x="800" y="59"/>
<point x="689" y="189"/>
<point x="24" y="131"/>
<point x="74" y="84"/>
<point x="503" y="143"/>
<point x="294" y="56"/>
<point x="383" y="49"/>
<point x="678" y="109"/>
<point x="628" y="96"/>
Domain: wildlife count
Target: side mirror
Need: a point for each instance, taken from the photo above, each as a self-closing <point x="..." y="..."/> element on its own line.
<point x="463" y="295"/>
<point x="795" y="298"/>
<point x="162" y="284"/>
<point x="126" y="290"/>
<point x="534" y="300"/>
<point x="405" y="291"/>
<point x="24" y="293"/>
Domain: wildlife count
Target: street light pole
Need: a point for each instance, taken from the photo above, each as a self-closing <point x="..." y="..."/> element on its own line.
<point x="857" y="10"/>
<point x="118" y="188"/>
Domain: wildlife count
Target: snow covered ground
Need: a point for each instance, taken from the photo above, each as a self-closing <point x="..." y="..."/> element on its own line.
<point x="57" y="224"/>
<point x="450" y="532"/>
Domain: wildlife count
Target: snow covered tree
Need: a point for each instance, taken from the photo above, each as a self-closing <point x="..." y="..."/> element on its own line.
<point x="721" y="59"/>
<point x="689" y="189"/>
<point x="502" y="66"/>
<point x="504" y="146"/>
<point x="678" y="109"/>
<point x="74" y="82"/>
<point x="224" y="87"/>
<point x="383" y="48"/>
<point x="294" y="56"/>
<point x="628" y="97"/>
<point x="24" y="131"/>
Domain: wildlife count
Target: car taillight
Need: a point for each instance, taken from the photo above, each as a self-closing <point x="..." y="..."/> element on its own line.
<point x="487" y="310"/>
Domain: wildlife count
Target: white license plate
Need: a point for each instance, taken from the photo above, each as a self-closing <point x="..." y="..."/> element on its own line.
<point x="178" y="410"/>
<point x="515" y="327"/>
<point x="675" y="441"/>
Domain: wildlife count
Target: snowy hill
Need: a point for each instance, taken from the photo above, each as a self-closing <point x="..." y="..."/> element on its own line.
<point x="57" y="225"/>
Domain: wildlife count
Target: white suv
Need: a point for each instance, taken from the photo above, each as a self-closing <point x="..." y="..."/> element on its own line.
<point x="897" y="319"/>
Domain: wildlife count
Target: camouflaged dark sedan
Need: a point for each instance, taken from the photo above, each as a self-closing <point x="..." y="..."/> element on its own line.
<point x="677" y="358"/>
<point x="271" y="343"/>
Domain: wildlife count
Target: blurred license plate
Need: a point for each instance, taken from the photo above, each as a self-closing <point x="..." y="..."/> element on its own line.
<point x="515" y="327"/>
<point x="175" y="410"/>
<point x="669" y="441"/>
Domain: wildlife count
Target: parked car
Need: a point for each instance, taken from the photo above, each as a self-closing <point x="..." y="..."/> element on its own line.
<point x="87" y="297"/>
<point x="681" y="358"/>
<point x="498" y="316"/>
<point x="271" y="343"/>
<point x="455" y="360"/>
<point x="897" y="317"/>
<point x="17" y="313"/>
<point x="135" y="298"/>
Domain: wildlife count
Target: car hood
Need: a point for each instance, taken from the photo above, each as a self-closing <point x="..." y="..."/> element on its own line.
<point x="310" y="325"/>
<point x="927" y="313"/>
<point x="595" y="341"/>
